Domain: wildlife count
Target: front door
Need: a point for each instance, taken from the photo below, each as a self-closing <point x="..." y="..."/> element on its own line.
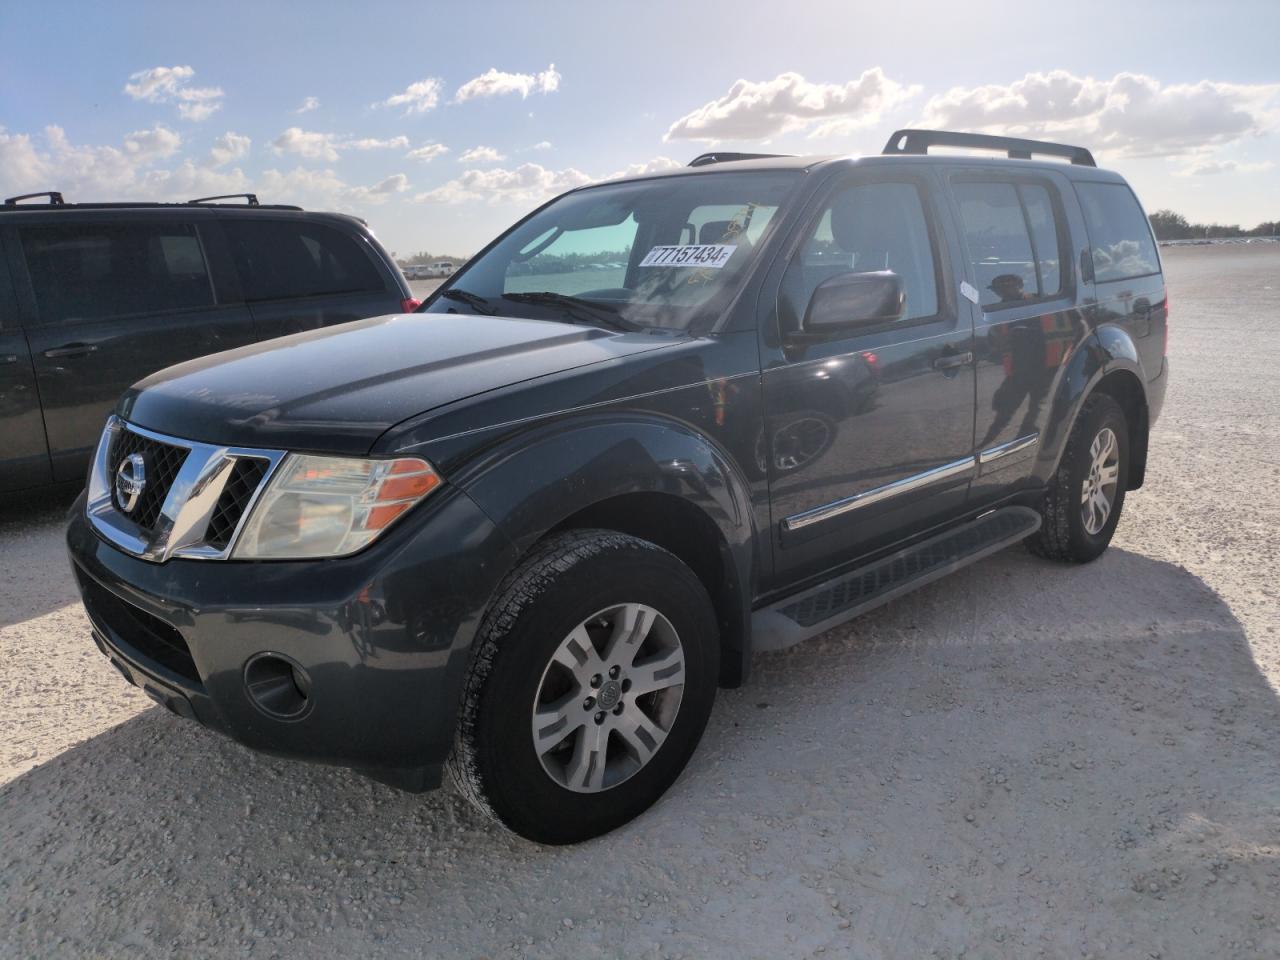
<point x="110" y="301"/>
<point x="868" y="436"/>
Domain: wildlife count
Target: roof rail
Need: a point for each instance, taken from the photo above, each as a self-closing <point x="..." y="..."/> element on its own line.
<point x="55" y="198"/>
<point x="705" y="159"/>
<point x="919" y="142"/>
<point x="250" y="198"/>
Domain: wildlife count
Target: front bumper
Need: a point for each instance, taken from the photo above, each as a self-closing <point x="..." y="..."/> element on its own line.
<point x="383" y="636"/>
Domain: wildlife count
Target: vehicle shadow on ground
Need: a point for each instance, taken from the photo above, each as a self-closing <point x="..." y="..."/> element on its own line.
<point x="1021" y="758"/>
<point x="35" y="576"/>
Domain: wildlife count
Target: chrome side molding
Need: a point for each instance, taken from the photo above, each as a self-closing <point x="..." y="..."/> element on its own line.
<point x="992" y="454"/>
<point x="948" y="471"/>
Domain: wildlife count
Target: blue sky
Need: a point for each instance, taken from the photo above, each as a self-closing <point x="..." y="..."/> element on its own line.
<point x="173" y="100"/>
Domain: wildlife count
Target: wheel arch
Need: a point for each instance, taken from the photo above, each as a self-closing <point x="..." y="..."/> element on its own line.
<point x="652" y="478"/>
<point x="1105" y="363"/>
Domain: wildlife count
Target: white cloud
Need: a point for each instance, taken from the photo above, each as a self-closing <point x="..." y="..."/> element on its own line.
<point x="480" y="155"/>
<point x="169" y="85"/>
<point x="307" y="143"/>
<point x="128" y="172"/>
<point x="1207" y="166"/>
<point x="656" y="165"/>
<point x="496" y="83"/>
<point x="417" y="97"/>
<point x="756" y="110"/>
<point x="527" y="183"/>
<point x="373" y="143"/>
<point x="1129" y="115"/>
<point x="541" y="145"/>
<point x="325" y="190"/>
<point x="158" y="143"/>
<point x="308" y="104"/>
<point x="327" y="146"/>
<point x="427" y="152"/>
<point x="230" y="146"/>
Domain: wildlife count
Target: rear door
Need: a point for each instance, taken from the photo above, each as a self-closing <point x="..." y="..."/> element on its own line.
<point x="1027" y="323"/>
<point x="24" y="455"/>
<point x="300" y="274"/>
<point x="110" y="299"/>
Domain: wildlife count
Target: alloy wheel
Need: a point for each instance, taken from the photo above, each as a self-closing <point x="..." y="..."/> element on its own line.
<point x="608" y="698"/>
<point x="1098" y="490"/>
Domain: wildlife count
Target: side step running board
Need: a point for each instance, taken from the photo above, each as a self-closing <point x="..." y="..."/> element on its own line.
<point x="842" y="598"/>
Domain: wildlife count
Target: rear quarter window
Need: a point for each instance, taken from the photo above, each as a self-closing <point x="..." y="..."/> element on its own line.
<point x="1119" y="236"/>
<point x="283" y="260"/>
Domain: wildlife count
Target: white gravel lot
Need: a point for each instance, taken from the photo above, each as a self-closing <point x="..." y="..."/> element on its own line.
<point x="1023" y="760"/>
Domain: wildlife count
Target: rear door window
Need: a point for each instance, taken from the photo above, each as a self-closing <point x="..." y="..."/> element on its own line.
<point x="279" y="260"/>
<point x="1011" y="231"/>
<point x="88" y="271"/>
<point x="1119" y="235"/>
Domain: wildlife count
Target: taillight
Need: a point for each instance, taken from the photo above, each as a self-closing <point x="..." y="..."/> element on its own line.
<point x="409" y="304"/>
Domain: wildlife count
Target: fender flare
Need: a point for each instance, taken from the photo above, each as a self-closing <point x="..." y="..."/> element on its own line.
<point x="548" y="475"/>
<point x="1106" y="351"/>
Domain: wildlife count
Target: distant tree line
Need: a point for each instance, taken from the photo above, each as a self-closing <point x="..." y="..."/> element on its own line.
<point x="1174" y="226"/>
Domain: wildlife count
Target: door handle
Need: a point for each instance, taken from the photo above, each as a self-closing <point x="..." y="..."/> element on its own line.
<point x="71" y="350"/>
<point x="949" y="361"/>
<point x="8" y="358"/>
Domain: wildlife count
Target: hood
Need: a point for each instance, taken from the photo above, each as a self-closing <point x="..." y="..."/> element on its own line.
<point x="337" y="389"/>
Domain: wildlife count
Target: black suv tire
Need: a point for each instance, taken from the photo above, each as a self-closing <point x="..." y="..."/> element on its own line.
<point x="570" y="585"/>
<point x="1063" y="534"/>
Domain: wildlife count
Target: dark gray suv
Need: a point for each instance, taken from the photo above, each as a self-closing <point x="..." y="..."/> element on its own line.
<point x="95" y="296"/>
<point x="657" y="425"/>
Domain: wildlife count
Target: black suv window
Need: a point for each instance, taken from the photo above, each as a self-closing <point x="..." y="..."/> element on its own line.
<point x="1011" y="232"/>
<point x="88" y="271"/>
<point x="1119" y="234"/>
<point x="871" y="226"/>
<point x="280" y="260"/>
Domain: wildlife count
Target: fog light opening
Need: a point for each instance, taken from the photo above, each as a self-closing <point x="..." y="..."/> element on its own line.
<point x="277" y="686"/>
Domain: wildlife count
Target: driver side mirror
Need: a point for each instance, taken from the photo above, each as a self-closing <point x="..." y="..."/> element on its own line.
<point x="849" y="301"/>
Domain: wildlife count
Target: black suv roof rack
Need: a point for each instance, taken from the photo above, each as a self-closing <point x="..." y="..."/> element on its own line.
<point x="56" y="202"/>
<point x="55" y="198"/>
<point x="703" y="159"/>
<point x="251" y="199"/>
<point x="919" y="142"/>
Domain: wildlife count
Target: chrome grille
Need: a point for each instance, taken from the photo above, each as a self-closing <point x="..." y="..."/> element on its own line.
<point x="241" y="486"/>
<point x="195" y="498"/>
<point x="163" y="461"/>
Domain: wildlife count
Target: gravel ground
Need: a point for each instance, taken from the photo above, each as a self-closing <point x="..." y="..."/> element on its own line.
<point x="1079" y="763"/>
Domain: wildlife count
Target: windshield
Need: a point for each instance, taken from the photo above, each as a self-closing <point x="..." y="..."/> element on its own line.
<point x="669" y="252"/>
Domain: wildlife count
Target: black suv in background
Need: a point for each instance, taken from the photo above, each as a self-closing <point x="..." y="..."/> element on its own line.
<point x="660" y="423"/>
<point x="95" y="296"/>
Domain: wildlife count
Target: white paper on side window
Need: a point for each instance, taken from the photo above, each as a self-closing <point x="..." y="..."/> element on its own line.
<point x="713" y="255"/>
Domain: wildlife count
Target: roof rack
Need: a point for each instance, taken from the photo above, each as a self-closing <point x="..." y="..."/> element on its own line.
<point x="251" y="199"/>
<point x="704" y="159"/>
<point x="55" y="198"/>
<point x="919" y="142"/>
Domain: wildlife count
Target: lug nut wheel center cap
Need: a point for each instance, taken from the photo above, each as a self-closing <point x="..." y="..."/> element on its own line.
<point x="609" y="695"/>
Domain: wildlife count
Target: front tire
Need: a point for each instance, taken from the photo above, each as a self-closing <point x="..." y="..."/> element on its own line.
<point x="592" y="679"/>
<point x="1082" y="505"/>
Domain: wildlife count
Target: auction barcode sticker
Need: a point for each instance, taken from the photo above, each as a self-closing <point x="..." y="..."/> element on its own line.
<point x="713" y="255"/>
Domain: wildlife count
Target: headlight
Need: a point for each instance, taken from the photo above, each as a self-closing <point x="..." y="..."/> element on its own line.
<point x="331" y="506"/>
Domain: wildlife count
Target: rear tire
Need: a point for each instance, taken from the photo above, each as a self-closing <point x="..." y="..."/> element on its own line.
<point x="1082" y="505"/>
<point x="593" y="675"/>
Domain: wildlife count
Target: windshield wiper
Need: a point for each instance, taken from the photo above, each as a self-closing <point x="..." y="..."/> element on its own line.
<point x="602" y="313"/>
<point x="472" y="300"/>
